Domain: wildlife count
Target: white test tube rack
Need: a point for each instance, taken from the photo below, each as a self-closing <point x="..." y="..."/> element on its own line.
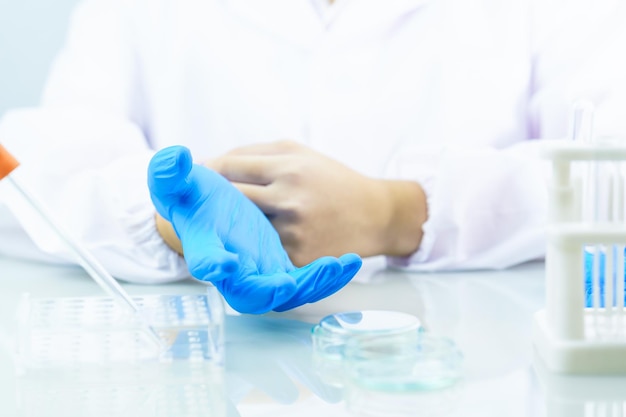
<point x="587" y="211"/>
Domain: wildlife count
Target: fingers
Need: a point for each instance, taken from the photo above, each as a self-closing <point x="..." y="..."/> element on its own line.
<point x="270" y="148"/>
<point x="350" y="265"/>
<point x="257" y="294"/>
<point x="260" y="195"/>
<point x="322" y="278"/>
<point x="250" y="169"/>
<point x="318" y="276"/>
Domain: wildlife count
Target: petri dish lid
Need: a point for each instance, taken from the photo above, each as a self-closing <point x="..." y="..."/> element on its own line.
<point x="369" y="322"/>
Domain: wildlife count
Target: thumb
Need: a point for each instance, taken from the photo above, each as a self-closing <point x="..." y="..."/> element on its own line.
<point x="174" y="193"/>
<point x="167" y="179"/>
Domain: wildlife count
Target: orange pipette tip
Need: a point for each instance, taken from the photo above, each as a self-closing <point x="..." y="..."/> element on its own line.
<point x="7" y="162"/>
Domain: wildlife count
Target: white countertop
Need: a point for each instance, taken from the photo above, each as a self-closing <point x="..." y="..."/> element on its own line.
<point x="268" y="369"/>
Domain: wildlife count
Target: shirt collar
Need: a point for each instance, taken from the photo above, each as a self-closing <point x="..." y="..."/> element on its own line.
<point x="302" y="21"/>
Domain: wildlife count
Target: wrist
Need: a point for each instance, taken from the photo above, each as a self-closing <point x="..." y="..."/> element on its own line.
<point x="406" y="212"/>
<point x="166" y="230"/>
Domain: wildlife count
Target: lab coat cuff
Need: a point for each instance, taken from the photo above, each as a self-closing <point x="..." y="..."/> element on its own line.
<point x="164" y="263"/>
<point x="148" y="259"/>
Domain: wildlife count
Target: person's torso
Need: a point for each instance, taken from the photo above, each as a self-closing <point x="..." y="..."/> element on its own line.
<point x="359" y="84"/>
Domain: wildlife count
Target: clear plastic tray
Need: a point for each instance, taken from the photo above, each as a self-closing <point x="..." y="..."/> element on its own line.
<point x="88" y="357"/>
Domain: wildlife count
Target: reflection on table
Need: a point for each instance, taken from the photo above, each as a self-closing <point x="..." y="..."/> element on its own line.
<point x="269" y="369"/>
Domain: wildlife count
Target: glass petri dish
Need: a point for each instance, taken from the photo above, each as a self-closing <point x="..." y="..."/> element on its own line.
<point x="333" y="332"/>
<point x="385" y="378"/>
<point x="424" y="363"/>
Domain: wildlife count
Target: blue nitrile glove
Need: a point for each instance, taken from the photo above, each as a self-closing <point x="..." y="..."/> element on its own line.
<point x="588" y="279"/>
<point x="228" y="241"/>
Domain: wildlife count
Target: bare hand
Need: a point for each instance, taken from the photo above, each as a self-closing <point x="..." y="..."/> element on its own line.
<point x="321" y="207"/>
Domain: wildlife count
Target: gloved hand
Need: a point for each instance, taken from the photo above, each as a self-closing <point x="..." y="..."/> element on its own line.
<point x="589" y="257"/>
<point x="228" y="241"/>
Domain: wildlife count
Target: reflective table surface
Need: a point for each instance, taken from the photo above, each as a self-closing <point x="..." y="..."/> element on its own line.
<point x="268" y="359"/>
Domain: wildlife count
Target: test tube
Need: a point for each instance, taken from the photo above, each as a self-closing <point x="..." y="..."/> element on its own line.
<point x="91" y="265"/>
<point x="617" y="308"/>
<point x="581" y="131"/>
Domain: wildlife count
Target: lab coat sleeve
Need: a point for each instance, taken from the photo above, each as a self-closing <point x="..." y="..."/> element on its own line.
<point x="84" y="152"/>
<point x="487" y="208"/>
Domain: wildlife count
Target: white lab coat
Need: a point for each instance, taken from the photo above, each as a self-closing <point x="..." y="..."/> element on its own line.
<point x="444" y="92"/>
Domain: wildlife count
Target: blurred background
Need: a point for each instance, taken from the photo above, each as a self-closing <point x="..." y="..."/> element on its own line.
<point x="31" y="34"/>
